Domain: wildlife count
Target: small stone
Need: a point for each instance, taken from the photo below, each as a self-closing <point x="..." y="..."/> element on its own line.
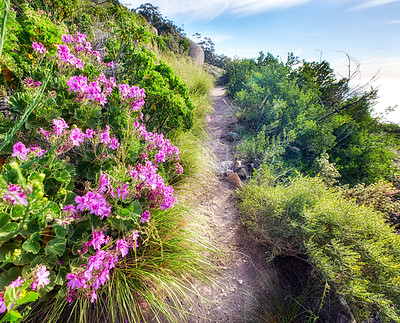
<point x="232" y="136"/>
<point x="218" y="308"/>
<point x="243" y="173"/>
<point x="240" y="281"/>
<point x="190" y="309"/>
<point x="235" y="180"/>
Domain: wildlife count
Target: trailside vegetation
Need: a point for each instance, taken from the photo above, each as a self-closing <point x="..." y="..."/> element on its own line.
<point x="299" y="113"/>
<point x="322" y="188"/>
<point x="350" y="246"/>
<point x="91" y="126"/>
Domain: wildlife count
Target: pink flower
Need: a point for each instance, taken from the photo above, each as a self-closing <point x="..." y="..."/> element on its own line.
<point x="74" y="281"/>
<point x="89" y="133"/>
<point x="77" y="83"/>
<point x="19" y="150"/>
<point x="41" y="279"/>
<point x="122" y="191"/>
<point x="15" y="195"/>
<point x="93" y="296"/>
<point x="3" y="307"/>
<point x="88" y="47"/>
<point x="145" y="217"/>
<point x="178" y="169"/>
<point x="16" y="283"/>
<point x="133" y="237"/>
<point x="104" y="183"/>
<point x="98" y="239"/>
<point x="76" y="137"/>
<point x="38" y="47"/>
<point x="105" y="136"/>
<point x="80" y="38"/>
<point x="111" y="64"/>
<point x="79" y="63"/>
<point x="45" y="133"/>
<point x="67" y="38"/>
<point x="114" y="144"/>
<point x="122" y="247"/>
<point x="59" y="126"/>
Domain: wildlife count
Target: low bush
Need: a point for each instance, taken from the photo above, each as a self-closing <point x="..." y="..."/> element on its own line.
<point x="350" y="246"/>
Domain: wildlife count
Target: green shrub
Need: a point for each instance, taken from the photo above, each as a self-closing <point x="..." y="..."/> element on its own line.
<point x="316" y="112"/>
<point x="350" y="246"/>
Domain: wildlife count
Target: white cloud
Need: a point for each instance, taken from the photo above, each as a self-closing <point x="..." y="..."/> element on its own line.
<point x="210" y="9"/>
<point x="393" y="22"/>
<point x="372" y="3"/>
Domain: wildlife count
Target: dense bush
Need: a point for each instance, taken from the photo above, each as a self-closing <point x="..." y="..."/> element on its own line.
<point x="350" y="246"/>
<point x="310" y="112"/>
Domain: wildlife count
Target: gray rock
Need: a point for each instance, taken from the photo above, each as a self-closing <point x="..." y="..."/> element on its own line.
<point x="226" y="168"/>
<point x="196" y="53"/>
<point x="232" y="136"/>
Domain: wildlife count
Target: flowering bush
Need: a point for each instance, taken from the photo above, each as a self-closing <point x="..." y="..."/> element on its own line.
<point x="72" y="205"/>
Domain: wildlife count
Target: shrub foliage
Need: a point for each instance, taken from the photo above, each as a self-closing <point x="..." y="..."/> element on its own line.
<point x="350" y="246"/>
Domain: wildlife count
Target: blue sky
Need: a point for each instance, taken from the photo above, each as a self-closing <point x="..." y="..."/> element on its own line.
<point x="368" y="30"/>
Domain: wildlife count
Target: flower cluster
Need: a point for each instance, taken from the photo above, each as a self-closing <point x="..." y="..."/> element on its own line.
<point x="37" y="279"/>
<point x="90" y="277"/>
<point x="29" y="83"/>
<point x="94" y="91"/>
<point x="15" y="195"/>
<point x="20" y="150"/>
<point x="81" y="47"/>
<point x="75" y="136"/>
<point x="150" y="185"/>
<point x="38" y="47"/>
<point x="162" y="147"/>
<point x="95" y="203"/>
<point x="133" y="95"/>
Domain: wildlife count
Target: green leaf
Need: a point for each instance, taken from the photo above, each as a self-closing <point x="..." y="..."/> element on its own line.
<point x="11" y="316"/>
<point x="37" y="177"/>
<point x="4" y="218"/>
<point x="63" y="176"/>
<point x="8" y="230"/>
<point x="8" y="276"/>
<point x="29" y="297"/>
<point x="24" y="259"/>
<point x="60" y="231"/>
<point x="62" y="276"/>
<point x="31" y="246"/>
<point x="35" y="236"/>
<point x="56" y="246"/>
<point x="135" y="208"/>
<point x="17" y="212"/>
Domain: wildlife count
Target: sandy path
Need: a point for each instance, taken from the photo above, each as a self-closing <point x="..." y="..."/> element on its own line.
<point x="243" y="269"/>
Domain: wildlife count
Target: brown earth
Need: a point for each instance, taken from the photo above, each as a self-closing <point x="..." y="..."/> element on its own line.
<point x="243" y="270"/>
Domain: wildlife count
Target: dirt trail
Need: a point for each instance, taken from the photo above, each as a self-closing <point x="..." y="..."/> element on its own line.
<point x="243" y="268"/>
